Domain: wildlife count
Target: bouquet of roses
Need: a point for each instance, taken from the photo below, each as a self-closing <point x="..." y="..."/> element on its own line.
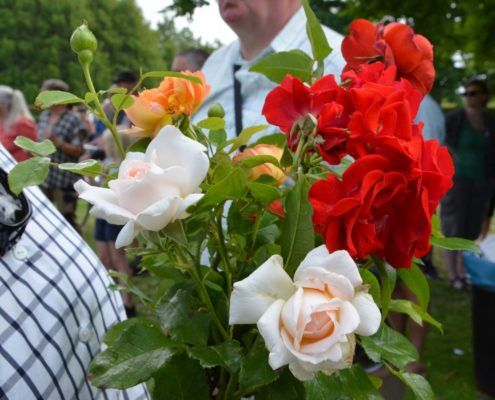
<point x="275" y="259"/>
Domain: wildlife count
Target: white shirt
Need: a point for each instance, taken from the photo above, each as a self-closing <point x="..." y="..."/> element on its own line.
<point x="218" y="71"/>
<point x="432" y="116"/>
<point x="55" y="309"/>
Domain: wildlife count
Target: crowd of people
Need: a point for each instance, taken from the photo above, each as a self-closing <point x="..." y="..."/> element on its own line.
<point x="81" y="310"/>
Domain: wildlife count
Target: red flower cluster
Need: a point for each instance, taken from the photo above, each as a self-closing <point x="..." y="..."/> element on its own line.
<point x="393" y="44"/>
<point x="385" y="200"/>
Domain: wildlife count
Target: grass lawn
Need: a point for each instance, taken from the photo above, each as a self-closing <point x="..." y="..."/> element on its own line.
<point x="448" y="358"/>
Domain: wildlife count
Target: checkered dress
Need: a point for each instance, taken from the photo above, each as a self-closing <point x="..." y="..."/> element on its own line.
<point x="71" y="129"/>
<point x="55" y="307"/>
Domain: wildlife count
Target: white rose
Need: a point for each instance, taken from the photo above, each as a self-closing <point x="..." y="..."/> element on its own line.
<point x="152" y="188"/>
<point x="308" y="324"/>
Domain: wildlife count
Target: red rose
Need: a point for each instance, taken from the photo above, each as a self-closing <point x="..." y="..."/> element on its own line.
<point x="292" y="101"/>
<point x="382" y="108"/>
<point x="395" y="44"/>
<point x="384" y="203"/>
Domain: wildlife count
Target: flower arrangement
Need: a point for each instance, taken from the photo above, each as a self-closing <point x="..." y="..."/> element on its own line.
<point x="276" y="259"/>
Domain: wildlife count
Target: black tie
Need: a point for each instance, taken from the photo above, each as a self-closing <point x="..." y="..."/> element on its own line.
<point x="237" y="101"/>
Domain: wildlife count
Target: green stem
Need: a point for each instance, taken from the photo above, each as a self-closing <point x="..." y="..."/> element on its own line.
<point x="223" y="251"/>
<point x="203" y="294"/>
<point x="100" y="113"/>
<point x="231" y="385"/>
<point x="297" y="156"/>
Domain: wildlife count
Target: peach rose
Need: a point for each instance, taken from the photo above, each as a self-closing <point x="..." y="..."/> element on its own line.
<point x="310" y="322"/>
<point x="154" y="108"/>
<point x="266" y="168"/>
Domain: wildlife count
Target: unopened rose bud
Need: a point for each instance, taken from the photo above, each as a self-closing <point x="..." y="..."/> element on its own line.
<point x="216" y="110"/>
<point x="84" y="43"/>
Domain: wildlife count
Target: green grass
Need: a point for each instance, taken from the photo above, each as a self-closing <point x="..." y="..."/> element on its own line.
<point x="450" y="375"/>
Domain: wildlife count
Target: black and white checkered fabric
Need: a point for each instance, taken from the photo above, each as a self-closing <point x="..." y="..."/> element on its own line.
<point x="71" y="128"/>
<point x="55" y="308"/>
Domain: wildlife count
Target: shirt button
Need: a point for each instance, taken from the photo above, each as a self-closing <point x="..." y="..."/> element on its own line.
<point x="20" y="252"/>
<point x="85" y="334"/>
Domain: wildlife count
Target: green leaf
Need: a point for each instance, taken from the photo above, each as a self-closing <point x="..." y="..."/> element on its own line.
<point x="87" y="167"/>
<point x="287" y="387"/>
<point x="324" y="387"/>
<point x="254" y="161"/>
<point x="181" y="317"/>
<point x="122" y="101"/>
<point x="233" y="186"/>
<point x="276" y="139"/>
<point x="212" y="123"/>
<point x="389" y="345"/>
<point x="454" y="243"/>
<point x="228" y="355"/>
<point x="245" y="135"/>
<point x="370" y="279"/>
<point x="43" y="149"/>
<point x="417" y="283"/>
<point x="217" y="137"/>
<point x="140" y="146"/>
<point x="90" y="97"/>
<point x="264" y="252"/>
<point x="414" y="311"/>
<point x="170" y="74"/>
<point x="298" y="237"/>
<point x="418" y="385"/>
<point x="133" y="357"/>
<point x="175" y="232"/>
<point x="28" y="173"/>
<point x="278" y="65"/>
<point x="181" y="379"/>
<point x="49" y="98"/>
<point x="255" y="370"/>
<point x="319" y="43"/>
<point x="116" y="330"/>
<point x="265" y="194"/>
<point x="115" y="90"/>
<point x="388" y="277"/>
<point x="357" y="384"/>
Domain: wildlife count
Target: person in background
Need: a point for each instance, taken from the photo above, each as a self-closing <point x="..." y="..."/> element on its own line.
<point x="67" y="132"/>
<point x="15" y="120"/>
<point x="471" y="141"/>
<point x="263" y="27"/>
<point x="56" y="308"/>
<point x="189" y="60"/>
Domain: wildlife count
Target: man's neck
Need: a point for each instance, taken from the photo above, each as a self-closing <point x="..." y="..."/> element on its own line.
<point x="253" y="41"/>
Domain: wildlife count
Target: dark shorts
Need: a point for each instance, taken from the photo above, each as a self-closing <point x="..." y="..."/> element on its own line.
<point x="465" y="207"/>
<point x="105" y="232"/>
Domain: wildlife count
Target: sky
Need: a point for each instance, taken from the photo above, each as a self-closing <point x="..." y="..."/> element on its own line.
<point x="206" y="23"/>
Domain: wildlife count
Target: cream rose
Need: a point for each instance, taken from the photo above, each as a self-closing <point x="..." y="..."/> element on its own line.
<point x="152" y="188"/>
<point x="310" y="323"/>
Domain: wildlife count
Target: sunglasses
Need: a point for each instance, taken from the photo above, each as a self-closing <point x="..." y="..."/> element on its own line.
<point x="471" y="93"/>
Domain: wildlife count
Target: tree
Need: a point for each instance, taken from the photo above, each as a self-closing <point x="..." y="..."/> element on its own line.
<point x="34" y="42"/>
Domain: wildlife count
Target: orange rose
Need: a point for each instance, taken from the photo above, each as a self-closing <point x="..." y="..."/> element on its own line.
<point x="154" y="108"/>
<point x="266" y="168"/>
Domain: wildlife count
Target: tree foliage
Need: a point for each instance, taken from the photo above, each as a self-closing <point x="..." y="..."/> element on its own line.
<point x="34" y="43"/>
